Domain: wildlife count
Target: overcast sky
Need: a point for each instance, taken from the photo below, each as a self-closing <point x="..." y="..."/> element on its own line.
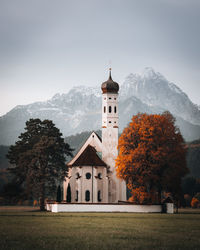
<point x="49" y="46"/>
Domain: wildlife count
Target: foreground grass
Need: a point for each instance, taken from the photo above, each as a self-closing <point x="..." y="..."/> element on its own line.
<point x="24" y="229"/>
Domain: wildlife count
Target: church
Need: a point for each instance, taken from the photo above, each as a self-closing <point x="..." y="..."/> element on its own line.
<point x="92" y="176"/>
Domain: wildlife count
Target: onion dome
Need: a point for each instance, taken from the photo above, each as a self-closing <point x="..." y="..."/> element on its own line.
<point x="110" y="86"/>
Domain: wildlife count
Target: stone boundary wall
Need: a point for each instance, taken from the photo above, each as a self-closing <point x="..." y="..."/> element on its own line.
<point x="129" y="208"/>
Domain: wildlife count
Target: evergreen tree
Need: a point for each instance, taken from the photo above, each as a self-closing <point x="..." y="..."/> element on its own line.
<point x="59" y="198"/>
<point x="39" y="158"/>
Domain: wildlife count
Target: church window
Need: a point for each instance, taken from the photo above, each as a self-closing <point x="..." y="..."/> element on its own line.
<point x="104" y="109"/>
<point x="76" y="195"/>
<point x="109" y="121"/>
<point x="87" y="195"/>
<point x="115" y="98"/>
<point x="88" y="176"/>
<point x="110" y="109"/>
<point x="99" y="195"/>
<point x="99" y="175"/>
<point x="115" y="109"/>
<point x="110" y="98"/>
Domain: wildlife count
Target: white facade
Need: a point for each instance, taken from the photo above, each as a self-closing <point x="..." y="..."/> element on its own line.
<point x="92" y="190"/>
<point x="93" y="179"/>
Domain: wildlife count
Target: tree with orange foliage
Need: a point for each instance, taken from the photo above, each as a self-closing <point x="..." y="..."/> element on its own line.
<point x="195" y="202"/>
<point x="152" y="157"/>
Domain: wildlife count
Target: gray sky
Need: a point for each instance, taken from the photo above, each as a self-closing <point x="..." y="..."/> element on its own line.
<point x="48" y="46"/>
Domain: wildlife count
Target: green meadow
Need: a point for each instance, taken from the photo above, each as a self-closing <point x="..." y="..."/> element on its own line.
<point x="27" y="228"/>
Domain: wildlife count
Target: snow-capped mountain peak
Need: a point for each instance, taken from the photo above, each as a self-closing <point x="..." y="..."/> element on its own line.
<point x="80" y="109"/>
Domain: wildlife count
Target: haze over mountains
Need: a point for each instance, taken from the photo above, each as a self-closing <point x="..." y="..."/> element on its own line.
<point x="80" y="109"/>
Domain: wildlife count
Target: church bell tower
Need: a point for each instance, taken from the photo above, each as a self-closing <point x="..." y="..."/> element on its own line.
<point x="110" y="123"/>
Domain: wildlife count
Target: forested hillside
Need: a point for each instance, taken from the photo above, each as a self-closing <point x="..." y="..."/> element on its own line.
<point x="3" y="159"/>
<point x="193" y="158"/>
<point x="4" y="164"/>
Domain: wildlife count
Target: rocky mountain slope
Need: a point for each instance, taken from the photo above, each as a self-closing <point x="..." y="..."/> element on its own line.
<point x="80" y="109"/>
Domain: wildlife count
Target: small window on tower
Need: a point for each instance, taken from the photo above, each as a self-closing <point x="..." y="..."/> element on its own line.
<point x="104" y="109"/>
<point x="110" y="109"/>
<point x="110" y="98"/>
<point x="109" y="121"/>
<point x="115" y="98"/>
<point x="115" y="109"/>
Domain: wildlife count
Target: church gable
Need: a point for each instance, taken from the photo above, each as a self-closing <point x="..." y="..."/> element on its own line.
<point x="94" y="140"/>
<point x="89" y="157"/>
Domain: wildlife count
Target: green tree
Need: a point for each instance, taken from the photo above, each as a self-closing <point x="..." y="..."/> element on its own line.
<point x="39" y="158"/>
<point x="152" y="157"/>
<point x="58" y="198"/>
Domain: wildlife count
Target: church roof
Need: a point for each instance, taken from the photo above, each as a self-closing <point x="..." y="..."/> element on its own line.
<point x="89" y="157"/>
<point x="110" y="86"/>
<point x="94" y="140"/>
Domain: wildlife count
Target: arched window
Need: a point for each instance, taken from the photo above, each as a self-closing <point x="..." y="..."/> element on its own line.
<point x="76" y="195"/>
<point x="88" y="176"/>
<point x="87" y="195"/>
<point x="104" y="108"/>
<point x="99" y="195"/>
<point x="115" y="109"/>
<point x="110" y="109"/>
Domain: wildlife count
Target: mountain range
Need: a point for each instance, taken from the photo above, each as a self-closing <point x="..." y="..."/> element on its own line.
<point x="80" y="109"/>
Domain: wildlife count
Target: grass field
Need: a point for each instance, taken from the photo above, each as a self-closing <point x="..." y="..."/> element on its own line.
<point x="25" y="228"/>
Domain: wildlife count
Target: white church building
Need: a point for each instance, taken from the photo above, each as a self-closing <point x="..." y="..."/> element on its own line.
<point x="92" y="176"/>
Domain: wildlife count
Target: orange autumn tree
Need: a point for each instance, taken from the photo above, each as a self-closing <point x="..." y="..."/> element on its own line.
<point x="152" y="157"/>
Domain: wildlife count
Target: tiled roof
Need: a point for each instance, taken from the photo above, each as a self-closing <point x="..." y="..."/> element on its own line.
<point x="89" y="157"/>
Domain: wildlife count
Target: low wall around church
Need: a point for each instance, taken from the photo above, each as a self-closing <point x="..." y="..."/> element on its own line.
<point x="129" y="208"/>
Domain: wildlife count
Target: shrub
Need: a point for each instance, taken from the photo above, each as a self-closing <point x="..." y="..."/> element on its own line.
<point x="35" y="203"/>
<point x="195" y="202"/>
